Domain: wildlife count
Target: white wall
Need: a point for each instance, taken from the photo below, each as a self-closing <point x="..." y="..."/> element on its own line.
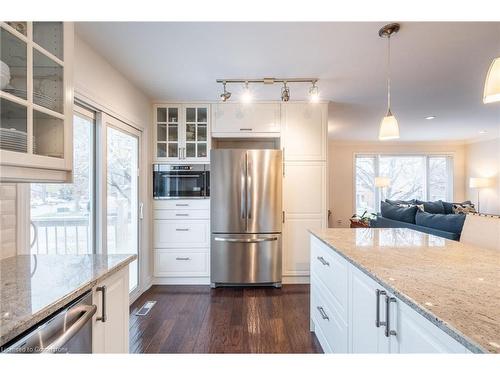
<point x="341" y="170"/>
<point x="99" y="83"/>
<point x="483" y="160"/>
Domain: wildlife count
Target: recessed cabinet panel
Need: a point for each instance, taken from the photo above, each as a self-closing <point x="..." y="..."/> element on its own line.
<point x="48" y="135"/>
<point x="304" y="188"/>
<point x="305" y="131"/>
<point x="181" y="233"/>
<point x="247" y="119"/>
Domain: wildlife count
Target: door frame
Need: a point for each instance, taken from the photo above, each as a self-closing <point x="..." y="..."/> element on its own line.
<point x="103" y="122"/>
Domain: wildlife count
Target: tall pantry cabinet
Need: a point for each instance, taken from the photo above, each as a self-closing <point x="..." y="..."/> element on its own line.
<point x="304" y="140"/>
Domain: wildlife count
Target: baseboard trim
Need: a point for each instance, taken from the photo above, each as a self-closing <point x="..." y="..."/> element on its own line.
<point x="206" y="280"/>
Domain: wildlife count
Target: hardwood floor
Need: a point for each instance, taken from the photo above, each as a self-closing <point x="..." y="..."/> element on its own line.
<point x="197" y="319"/>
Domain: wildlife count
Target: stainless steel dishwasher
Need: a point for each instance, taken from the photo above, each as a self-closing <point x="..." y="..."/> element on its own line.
<point x="67" y="331"/>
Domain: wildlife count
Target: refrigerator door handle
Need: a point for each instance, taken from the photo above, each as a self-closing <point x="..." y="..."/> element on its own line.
<point x="243" y="194"/>
<point x="249" y="189"/>
<point x="245" y="240"/>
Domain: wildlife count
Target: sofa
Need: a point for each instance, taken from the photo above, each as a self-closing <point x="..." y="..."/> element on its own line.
<point x="436" y="218"/>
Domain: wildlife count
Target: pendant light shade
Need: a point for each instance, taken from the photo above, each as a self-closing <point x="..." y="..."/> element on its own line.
<point x="389" y="128"/>
<point x="492" y="84"/>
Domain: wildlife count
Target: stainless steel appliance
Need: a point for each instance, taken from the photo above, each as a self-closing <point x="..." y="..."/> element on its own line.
<point x="246" y="215"/>
<point x="181" y="181"/>
<point x="67" y="331"/>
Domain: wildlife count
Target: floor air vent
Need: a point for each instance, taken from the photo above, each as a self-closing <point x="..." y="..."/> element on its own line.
<point x="144" y="310"/>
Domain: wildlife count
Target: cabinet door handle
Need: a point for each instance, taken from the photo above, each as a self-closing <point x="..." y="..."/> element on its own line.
<point x="182" y="229"/>
<point x="178" y="258"/>
<point x="323" y="313"/>
<point x="102" y="289"/>
<point x="181" y="214"/>
<point x="246" y="129"/>
<point x="388" y="330"/>
<point x="182" y="204"/>
<point x="378" y="293"/>
<point x="323" y="261"/>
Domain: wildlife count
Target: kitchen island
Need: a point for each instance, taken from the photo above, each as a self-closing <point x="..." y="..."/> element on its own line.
<point x="399" y="290"/>
<point x="35" y="286"/>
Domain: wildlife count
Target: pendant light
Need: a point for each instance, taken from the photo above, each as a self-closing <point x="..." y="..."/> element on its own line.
<point x="492" y="84"/>
<point x="389" y="128"/>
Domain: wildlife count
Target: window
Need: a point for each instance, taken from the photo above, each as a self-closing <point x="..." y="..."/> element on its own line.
<point x="63" y="214"/>
<point x="423" y="177"/>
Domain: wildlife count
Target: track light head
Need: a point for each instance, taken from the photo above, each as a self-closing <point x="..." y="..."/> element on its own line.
<point x="285" y="93"/>
<point x="226" y="94"/>
<point x="314" y="92"/>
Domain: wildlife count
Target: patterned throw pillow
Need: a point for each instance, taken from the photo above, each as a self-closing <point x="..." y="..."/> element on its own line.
<point x="464" y="208"/>
<point x="419" y="206"/>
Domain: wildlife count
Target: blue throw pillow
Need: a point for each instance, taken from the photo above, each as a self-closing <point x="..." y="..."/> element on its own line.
<point x="452" y="223"/>
<point x="405" y="214"/>
<point x="448" y="206"/>
<point x="396" y="202"/>
<point x="436" y="207"/>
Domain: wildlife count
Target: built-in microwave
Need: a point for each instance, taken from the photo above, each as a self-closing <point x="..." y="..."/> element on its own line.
<point x="181" y="181"/>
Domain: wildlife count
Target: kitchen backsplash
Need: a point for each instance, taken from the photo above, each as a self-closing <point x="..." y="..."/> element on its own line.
<point x="8" y="220"/>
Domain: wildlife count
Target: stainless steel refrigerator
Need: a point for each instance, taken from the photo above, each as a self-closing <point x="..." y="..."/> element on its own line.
<point x="246" y="216"/>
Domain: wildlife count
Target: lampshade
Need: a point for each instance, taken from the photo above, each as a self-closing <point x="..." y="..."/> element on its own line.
<point x="492" y="84"/>
<point x="382" y="182"/>
<point x="479" y="182"/>
<point x="389" y="128"/>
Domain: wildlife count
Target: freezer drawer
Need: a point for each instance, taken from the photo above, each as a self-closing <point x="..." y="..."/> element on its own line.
<point x="245" y="259"/>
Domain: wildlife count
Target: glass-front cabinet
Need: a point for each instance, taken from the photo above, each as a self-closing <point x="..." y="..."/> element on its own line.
<point x="36" y="99"/>
<point x="182" y="132"/>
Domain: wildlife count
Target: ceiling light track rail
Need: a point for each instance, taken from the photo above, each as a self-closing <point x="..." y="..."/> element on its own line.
<point x="268" y="81"/>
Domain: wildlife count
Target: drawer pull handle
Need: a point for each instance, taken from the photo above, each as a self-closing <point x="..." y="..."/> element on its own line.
<point x="378" y="293"/>
<point x="182" y="258"/>
<point x="323" y="261"/>
<point x="181" y="214"/>
<point x="246" y="129"/>
<point x="182" y="204"/>
<point x="182" y="229"/>
<point x="323" y="313"/>
<point x="388" y="330"/>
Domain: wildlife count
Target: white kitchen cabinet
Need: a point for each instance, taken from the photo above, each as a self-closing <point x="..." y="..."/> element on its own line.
<point x="246" y="120"/>
<point x="305" y="131"/>
<point x="36" y="94"/>
<point x="304" y="203"/>
<point x="182" y="241"/>
<point x="182" y="132"/>
<point x="111" y="296"/>
<point x="339" y="289"/>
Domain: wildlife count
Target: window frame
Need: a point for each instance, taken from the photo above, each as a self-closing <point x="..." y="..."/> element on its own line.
<point x="450" y="165"/>
<point x="78" y="109"/>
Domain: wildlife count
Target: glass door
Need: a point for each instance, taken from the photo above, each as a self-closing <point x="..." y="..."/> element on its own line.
<point x="196" y="131"/>
<point x="167" y="133"/>
<point x="122" y="193"/>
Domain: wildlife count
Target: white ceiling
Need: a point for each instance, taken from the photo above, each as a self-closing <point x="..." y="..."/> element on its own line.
<point x="437" y="68"/>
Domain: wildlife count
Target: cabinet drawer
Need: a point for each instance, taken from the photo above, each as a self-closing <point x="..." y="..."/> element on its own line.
<point x="333" y="272"/>
<point x="181" y="214"/>
<point x="182" y="204"/>
<point x="181" y="233"/>
<point x="181" y="263"/>
<point x="332" y="326"/>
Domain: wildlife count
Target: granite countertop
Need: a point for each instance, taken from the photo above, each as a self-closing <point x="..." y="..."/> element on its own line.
<point x="454" y="285"/>
<point x="35" y="286"/>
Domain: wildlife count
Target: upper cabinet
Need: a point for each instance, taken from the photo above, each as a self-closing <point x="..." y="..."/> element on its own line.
<point x="182" y="132"/>
<point x="305" y="131"/>
<point x="36" y="97"/>
<point x="246" y="120"/>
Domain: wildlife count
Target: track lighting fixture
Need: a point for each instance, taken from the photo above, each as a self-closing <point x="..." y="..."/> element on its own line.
<point x="226" y="94"/>
<point x="247" y="96"/>
<point x="285" y="93"/>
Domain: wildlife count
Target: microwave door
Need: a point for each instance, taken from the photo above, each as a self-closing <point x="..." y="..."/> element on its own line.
<point x="228" y="191"/>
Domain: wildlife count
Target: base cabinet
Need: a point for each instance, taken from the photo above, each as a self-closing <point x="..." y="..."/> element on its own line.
<point x="376" y="321"/>
<point x="111" y="296"/>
